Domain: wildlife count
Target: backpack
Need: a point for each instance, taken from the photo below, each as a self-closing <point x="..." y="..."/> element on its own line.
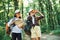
<point x="27" y="28"/>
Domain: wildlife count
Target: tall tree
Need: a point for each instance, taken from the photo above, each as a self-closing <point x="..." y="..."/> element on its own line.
<point x="16" y="4"/>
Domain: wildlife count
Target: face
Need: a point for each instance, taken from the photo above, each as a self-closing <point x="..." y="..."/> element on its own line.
<point x="18" y="14"/>
<point x="32" y="13"/>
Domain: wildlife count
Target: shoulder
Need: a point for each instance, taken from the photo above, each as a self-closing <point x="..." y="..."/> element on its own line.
<point x="11" y="19"/>
<point x="29" y="17"/>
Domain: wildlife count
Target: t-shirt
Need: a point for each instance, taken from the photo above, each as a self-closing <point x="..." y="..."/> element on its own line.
<point x="14" y="29"/>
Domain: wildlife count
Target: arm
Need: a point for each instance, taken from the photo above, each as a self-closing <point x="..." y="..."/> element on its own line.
<point x="36" y="11"/>
<point x="41" y="14"/>
<point x="40" y="17"/>
<point x="7" y="29"/>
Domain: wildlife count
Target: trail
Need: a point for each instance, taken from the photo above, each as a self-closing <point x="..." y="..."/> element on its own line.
<point x="43" y="37"/>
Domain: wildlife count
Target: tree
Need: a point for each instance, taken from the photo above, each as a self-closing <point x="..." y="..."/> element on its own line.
<point x="15" y="4"/>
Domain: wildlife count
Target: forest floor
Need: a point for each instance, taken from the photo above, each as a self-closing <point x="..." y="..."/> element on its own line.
<point x="44" y="37"/>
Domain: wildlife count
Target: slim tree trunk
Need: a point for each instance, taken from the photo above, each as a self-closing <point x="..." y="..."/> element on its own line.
<point x="16" y="4"/>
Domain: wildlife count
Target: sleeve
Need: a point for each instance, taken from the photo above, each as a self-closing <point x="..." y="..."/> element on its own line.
<point x="40" y="17"/>
<point x="9" y="23"/>
<point x="29" y="18"/>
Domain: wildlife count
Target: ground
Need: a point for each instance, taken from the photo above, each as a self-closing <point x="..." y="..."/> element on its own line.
<point x="43" y="37"/>
<point x="49" y="37"/>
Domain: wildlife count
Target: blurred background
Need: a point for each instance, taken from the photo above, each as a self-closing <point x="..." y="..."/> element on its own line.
<point x="50" y="8"/>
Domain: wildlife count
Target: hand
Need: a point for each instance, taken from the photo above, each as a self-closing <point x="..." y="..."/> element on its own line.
<point x="35" y="11"/>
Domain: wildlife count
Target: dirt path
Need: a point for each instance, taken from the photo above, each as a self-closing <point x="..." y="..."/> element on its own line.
<point x="49" y="37"/>
<point x="43" y="37"/>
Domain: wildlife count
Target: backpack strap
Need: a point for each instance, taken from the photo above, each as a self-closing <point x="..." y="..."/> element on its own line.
<point x="13" y="22"/>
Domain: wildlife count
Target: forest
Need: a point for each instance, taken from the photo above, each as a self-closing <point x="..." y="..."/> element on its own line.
<point x="50" y="24"/>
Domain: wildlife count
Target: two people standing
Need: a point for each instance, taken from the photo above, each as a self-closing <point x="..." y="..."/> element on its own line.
<point x="33" y="22"/>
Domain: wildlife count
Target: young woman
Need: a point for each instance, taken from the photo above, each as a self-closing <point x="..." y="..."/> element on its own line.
<point x="16" y="31"/>
<point x="34" y="22"/>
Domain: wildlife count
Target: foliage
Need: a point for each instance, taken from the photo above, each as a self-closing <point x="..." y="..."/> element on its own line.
<point x="55" y="32"/>
<point x="2" y="32"/>
<point x="50" y="9"/>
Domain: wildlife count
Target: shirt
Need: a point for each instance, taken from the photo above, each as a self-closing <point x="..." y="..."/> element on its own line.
<point x="33" y="20"/>
<point x="14" y="29"/>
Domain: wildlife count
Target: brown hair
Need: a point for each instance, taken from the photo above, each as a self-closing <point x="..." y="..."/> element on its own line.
<point x="15" y="15"/>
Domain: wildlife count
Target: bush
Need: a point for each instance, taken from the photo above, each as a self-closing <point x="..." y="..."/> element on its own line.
<point x="2" y="32"/>
<point x="55" y="32"/>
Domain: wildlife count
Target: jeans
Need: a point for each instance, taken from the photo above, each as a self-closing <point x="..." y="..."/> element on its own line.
<point x="16" y="36"/>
